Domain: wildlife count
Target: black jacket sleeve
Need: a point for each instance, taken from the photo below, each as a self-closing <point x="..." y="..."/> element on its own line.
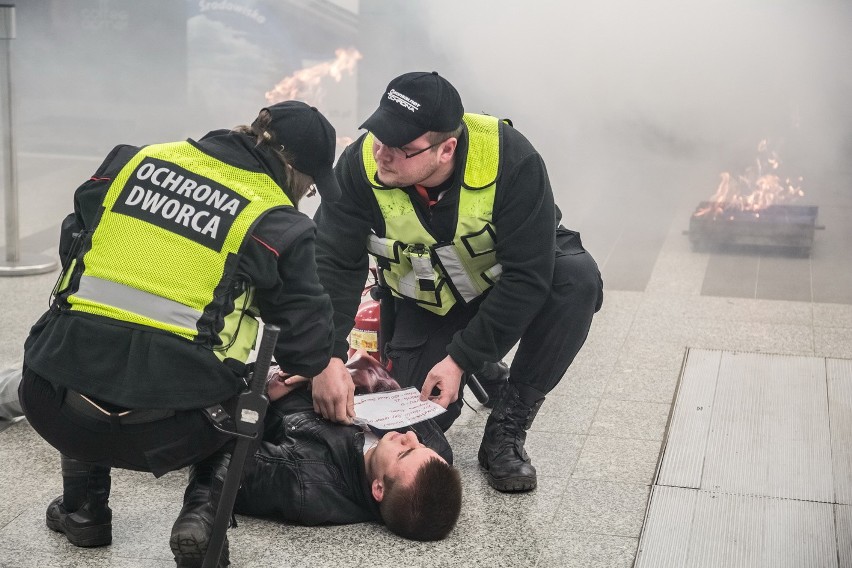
<point x="90" y="195"/>
<point x="524" y="218"/>
<point x="342" y="260"/>
<point x="280" y="259"/>
<point x="88" y="199"/>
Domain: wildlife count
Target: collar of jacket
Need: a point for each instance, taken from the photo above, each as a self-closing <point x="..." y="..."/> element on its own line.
<point x="240" y="150"/>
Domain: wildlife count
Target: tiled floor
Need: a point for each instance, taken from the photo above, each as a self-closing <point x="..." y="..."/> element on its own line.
<point x="755" y="470"/>
<point x="596" y="441"/>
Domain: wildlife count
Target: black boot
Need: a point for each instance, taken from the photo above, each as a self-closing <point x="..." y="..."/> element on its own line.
<point x="493" y="377"/>
<point x="501" y="453"/>
<point x="82" y="512"/>
<point x="194" y="526"/>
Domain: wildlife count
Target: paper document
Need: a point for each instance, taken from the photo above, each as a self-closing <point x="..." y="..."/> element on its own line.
<point x="394" y="409"/>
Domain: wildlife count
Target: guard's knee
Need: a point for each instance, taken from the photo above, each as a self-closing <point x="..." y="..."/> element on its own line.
<point x="578" y="280"/>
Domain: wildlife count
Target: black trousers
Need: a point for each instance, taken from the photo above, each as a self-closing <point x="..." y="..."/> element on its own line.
<point x="547" y="347"/>
<point x="157" y="447"/>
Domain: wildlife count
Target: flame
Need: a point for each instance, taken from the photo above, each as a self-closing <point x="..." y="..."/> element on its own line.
<point x="757" y="188"/>
<point x="307" y="84"/>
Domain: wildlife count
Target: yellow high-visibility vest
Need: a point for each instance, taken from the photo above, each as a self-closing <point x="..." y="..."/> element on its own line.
<point x="163" y="251"/>
<point x="412" y="263"/>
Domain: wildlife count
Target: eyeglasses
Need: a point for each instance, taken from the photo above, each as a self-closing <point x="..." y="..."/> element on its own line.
<point x="418" y="152"/>
<point x="399" y="152"/>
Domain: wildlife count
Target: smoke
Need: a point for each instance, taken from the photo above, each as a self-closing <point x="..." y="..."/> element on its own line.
<point x="628" y="102"/>
<point x="617" y="90"/>
<point x="218" y="55"/>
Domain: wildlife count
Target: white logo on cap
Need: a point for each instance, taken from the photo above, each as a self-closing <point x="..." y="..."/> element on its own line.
<point x="403" y="101"/>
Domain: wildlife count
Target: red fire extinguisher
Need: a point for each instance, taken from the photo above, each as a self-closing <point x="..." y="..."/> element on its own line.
<point x="365" y="333"/>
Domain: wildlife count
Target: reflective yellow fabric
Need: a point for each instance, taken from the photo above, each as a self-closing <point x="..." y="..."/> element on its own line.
<point x="147" y="257"/>
<point x="460" y="270"/>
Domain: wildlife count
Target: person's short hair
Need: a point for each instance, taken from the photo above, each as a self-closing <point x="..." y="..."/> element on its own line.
<point x="429" y="508"/>
<point x="437" y="137"/>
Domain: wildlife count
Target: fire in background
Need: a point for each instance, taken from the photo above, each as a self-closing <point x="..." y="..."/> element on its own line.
<point x="308" y="84"/>
<point x="758" y="187"/>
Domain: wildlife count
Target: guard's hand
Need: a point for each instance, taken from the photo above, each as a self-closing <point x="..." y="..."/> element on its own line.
<point x="446" y="377"/>
<point x="279" y="384"/>
<point x="334" y="393"/>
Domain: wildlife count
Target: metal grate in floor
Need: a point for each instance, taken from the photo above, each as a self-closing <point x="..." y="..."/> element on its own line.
<point x="757" y="467"/>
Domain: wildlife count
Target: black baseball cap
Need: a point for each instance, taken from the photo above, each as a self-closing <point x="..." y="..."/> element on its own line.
<point x="413" y="104"/>
<point x="310" y="139"/>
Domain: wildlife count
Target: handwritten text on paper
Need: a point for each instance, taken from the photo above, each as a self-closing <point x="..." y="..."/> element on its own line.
<point x="395" y="409"/>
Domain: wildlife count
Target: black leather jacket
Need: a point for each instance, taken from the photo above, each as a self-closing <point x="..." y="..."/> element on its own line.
<point x="311" y="471"/>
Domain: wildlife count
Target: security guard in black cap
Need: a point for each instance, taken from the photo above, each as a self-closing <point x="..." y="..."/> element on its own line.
<point x="457" y="210"/>
<point x="172" y="254"/>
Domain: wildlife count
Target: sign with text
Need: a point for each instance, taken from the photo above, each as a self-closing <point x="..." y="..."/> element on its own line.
<point x="395" y="409"/>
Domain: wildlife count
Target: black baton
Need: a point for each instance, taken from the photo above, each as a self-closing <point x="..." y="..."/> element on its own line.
<point x="476" y="389"/>
<point x="251" y="409"/>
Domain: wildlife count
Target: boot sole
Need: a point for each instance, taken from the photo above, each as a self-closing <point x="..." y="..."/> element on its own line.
<point x="512" y="484"/>
<point x="87" y="537"/>
<point x="516" y="484"/>
<point x="190" y="549"/>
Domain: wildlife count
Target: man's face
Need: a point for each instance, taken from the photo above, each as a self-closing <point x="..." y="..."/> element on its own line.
<point x="395" y="170"/>
<point x="399" y="456"/>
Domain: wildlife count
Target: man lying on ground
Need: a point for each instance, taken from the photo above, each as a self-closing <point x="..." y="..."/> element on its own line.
<point x="312" y="471"/>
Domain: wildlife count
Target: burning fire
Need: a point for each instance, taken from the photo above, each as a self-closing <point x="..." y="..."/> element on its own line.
<point x="756" y="189"/>
<point x="307" y="84"/>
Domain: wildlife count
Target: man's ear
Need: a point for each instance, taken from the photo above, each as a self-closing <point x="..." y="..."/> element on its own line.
<point x="378" y="490"/>
<point x="448" y="150"/>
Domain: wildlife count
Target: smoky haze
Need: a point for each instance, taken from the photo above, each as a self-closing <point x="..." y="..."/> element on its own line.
<point x="629" y="100"/>
<point x="635" y="106"/>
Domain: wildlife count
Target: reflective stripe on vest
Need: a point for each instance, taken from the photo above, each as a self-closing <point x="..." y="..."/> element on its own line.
<point x="133" y="300"/>
<point x="413" y="264"/>
<point x="172" y="219"/>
